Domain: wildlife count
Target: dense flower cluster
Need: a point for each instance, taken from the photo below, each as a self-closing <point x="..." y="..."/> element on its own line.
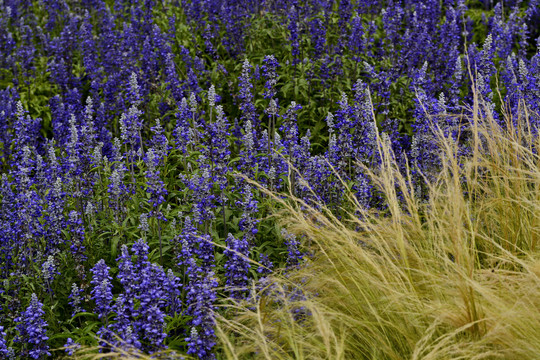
<point x="32" y="330"/>
<point x="132" y="132"/>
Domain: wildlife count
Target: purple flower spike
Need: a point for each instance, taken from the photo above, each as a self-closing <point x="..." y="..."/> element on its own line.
<point x="32" y="330"/>
<point x="102" y="291"/>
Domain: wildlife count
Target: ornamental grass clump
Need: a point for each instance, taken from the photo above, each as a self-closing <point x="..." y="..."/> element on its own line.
<point x="456" y="276"/>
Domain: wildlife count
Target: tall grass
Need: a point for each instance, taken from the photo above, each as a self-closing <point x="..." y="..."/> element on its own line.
<point x="456" y="277"/>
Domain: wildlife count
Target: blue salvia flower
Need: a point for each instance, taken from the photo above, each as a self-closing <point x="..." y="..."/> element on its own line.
<point x="23" y="169"/>
<point x="89" y="49"/>
<point x="8" y="44"/>
<point x="145" y="282"/>
<point x="96" y="158"/>
<point x="450" y="35"/>
<point x="143" y="224"/>
<point x="140" y="250"/>
<point x="130" y="128"/>
<point x="134" y="90"/>
<point x="312" y="169"/>
<point x="102" y="289"/>
<point x="205" y="251"/>
<point x="56" y="11"/>
<point x="74" y="106"/>
<point x="9" y="220"/>
<point x="196" y="257"/>
<point x="55" y="199"/>
<point x="90" y="211"/>
<point x="193" y="81"/>
<point x="3" y="344"/>
<point x="26" y="51"/>
<point x="77" y="240"/>
<point x="233" y="15"/>
<point x="173" y="285"/>
<point x="270" y="67"/>
<point x="208" y="36"/>
<point x="249" y="206"/>
<point x="364" y="126"/>
<point x="334" y="149"/>
<point x="196" y="120"/>
<point x="294" y="255"/>
<point x="131" y="121"/>
<point x="249" y="113"/>
<point x="76" y="297"/>
<point x="248" y="153"/>
<point x="291" y="135"/>
<point x="173" y="82"/>
<point x="60" y="73"/>
<point x="41" y="174"/>
<point x="117" y="189"/>
<point x="294" y="33"/>
<point x="116" y="154"/>
<point x="48" y="271"/>
<point x="124" y="308"/>
<point x="272" y="157"/>
<point x="505" y="32"/>
<point x="318" y="36"/>
<point x="159" y="141"/>
<point x="32" y="330"/>
<point x="200" y="300"/>
<point x="266" y="265"/>
<point x="127" y="275"/>
<point x="171" y="33"/>
<point x="185" y="243"/>
<point x="71" y="346"/>
<point x="152" y="298"/>
<point x="150" y="63"/>
<point x="344" y="125"/>
<point x="31" y="228"/>
<point x="8" y="109"/>
<point x="74" y="151"/>
<point x="345" y="13"/>
<point x="25" y="129"/>
<point x="456" y="83"/>
<point x="356" y="41"/>
<point x="55" y="168"/>
<point x="182" y="133"/>
<point x="154" y="185"/>
<point x="218" y="153"/>
<point x="203" y="199"/>
<point x="161" y="45"/>
<point x="423" y="150"/>
<point x="257" y="73"/>
<point x="318" y="183"/>
<point x="60" y="119"/>
<point x="482" y="64"/>
<point x="533" y="12"/>
<point x="381" y="81"/>
<point x="212" y="96"/>
<point x="237" y="265"/>
<point x="89" y="134"/>
<point x="363" y="188"/>
<point x="123" y="326"/>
